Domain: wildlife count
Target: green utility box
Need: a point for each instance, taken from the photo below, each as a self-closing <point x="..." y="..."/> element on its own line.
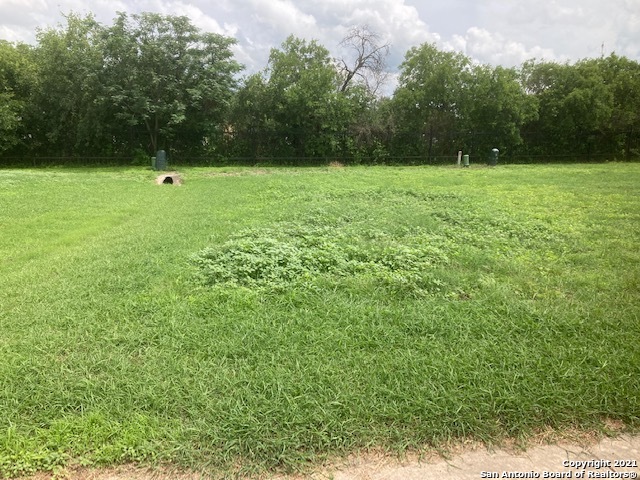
<point x="493" y="157"/>
<point x="153" y="163"/>
<point x="465" y="160"/>
<point x="161" y="160"/>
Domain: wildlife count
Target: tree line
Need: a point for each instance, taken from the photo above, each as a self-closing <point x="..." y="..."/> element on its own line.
<point x="151" y="81"/>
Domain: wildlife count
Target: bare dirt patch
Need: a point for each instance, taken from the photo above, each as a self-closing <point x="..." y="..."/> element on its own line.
<point x="481" y="462"/>
<point x="240" y="173"/>
<point x="546" y="452"/>
<point x="124" y="472"/>
<point x="331" y="167"/>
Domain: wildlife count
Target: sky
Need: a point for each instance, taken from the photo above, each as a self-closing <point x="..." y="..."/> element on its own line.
<point x="498" y="32"/>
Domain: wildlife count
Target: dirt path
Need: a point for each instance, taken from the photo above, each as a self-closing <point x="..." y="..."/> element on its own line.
<point x="556" y="460"/>
<point x="561" y="460"/>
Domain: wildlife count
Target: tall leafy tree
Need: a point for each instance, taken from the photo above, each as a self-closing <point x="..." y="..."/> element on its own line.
<point x="430" y="99"/>
<point x="297" y="108"/>
<point x="17" y="79"/>
<point x="304" y="103"/>
<point x="164" y="75"/>
<point x="496" y="108"/>
<point x="575" y="106"/>
<point x="63" y="111"/>
<point x="253" y="131"/>
<point x="622" y="75"/>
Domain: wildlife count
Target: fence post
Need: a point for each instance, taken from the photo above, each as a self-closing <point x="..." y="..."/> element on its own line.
<point x="430" y="142"/>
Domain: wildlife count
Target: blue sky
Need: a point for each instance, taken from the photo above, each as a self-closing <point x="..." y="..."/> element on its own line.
<point x="505" y="32"/>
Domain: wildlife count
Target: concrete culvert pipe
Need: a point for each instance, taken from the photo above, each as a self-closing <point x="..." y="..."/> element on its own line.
<point x="169" y="179"/>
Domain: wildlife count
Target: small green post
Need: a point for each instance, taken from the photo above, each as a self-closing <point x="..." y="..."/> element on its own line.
<point x="493" y="158"/>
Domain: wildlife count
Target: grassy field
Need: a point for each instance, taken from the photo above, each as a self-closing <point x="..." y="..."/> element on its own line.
<point x="265" y="319"/>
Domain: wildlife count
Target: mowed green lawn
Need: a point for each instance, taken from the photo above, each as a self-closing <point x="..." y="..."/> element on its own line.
<point x="267" y="319"/>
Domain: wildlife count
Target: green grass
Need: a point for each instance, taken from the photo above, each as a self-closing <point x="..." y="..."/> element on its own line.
<point x="269" y="321"/>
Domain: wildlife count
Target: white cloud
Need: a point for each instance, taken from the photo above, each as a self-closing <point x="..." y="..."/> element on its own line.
<point x="268" y="22"/>
<point x="197" y="16"/>
<point x="496" y="31"/>
<point x="495" y="49"/>
<point x="281" y="17"/>
<point x="570" y="28"/>
<point x="397" y="23"/>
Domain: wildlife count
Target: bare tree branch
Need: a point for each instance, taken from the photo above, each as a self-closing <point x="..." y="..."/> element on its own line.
<point x="368" y="63"/>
